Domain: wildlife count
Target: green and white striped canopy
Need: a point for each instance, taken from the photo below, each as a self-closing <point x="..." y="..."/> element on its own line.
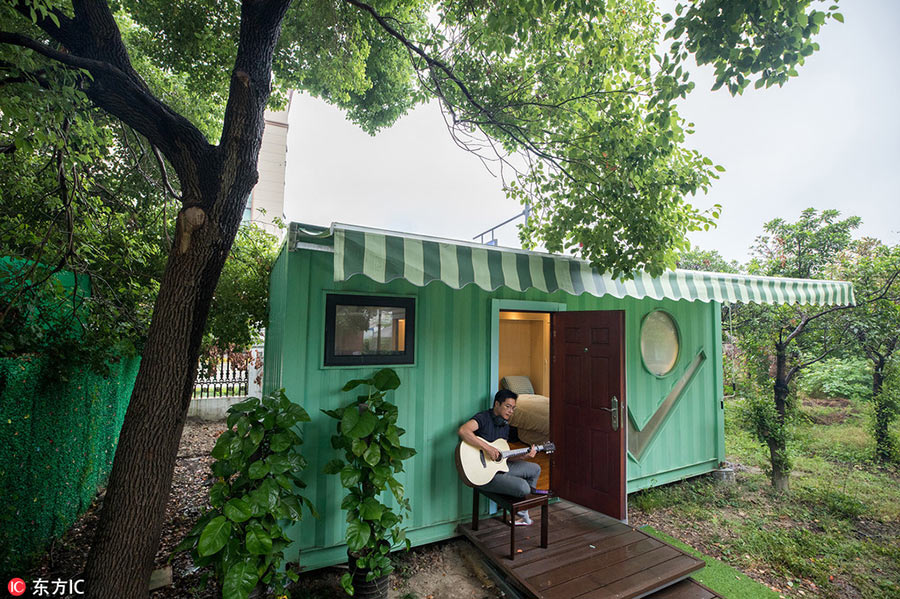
<point x="384" y="256"/>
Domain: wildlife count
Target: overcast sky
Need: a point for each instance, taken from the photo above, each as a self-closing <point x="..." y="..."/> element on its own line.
<point x="829" y="139"/>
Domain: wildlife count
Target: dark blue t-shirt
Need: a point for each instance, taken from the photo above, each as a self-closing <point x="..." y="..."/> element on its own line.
<point x="489" y="431"/>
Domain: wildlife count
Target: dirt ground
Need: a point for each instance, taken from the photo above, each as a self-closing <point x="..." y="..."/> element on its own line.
<point x="447" y="570"/>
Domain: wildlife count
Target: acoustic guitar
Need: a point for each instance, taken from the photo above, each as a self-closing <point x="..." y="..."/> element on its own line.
<point x="476" y="468"/>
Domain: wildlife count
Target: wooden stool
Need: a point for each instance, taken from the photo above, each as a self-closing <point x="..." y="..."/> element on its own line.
<point x="512" y="505"/>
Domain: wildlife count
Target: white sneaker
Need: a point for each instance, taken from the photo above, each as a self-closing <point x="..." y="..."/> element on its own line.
<point x="525" y="518"/>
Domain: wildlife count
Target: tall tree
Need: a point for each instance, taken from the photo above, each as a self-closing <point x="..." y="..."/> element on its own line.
<point x="875" y="325"/>
<point x="572" y="87"/>
<point x="783" y="340"/>
<point x="706" y="260"/>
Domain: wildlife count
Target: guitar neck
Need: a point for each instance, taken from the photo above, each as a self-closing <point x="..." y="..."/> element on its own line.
<point x="517" y="452"/>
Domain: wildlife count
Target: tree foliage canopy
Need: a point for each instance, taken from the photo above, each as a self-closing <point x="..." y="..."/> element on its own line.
<point x="575" y="102"/>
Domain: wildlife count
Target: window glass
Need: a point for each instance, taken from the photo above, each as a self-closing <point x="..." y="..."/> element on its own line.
<point x="368" y="330"/>
<point x="659" y="343"/>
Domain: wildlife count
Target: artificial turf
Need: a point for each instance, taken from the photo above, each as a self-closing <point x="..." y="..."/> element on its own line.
<point x="719" y="576"/>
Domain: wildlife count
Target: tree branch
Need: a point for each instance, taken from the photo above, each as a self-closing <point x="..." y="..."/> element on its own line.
<point x="435" y="64"/>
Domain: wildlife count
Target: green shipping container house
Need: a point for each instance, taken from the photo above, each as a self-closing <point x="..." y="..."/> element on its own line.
<point x="625" y="377"/>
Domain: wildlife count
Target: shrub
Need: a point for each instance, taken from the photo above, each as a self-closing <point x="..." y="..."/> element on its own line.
<point x="368" y="434"/>
<point x="255" y="498"/>
<point x="848" y="378"/>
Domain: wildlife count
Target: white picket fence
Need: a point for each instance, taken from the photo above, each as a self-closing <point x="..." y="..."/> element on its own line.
<point x="214" y="406"/>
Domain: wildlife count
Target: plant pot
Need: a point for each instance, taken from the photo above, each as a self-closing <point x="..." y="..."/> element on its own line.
<point x="376" y="588"/>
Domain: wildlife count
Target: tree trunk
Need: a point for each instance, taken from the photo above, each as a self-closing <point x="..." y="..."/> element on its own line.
<point x="776" y="441"/>
<point x="216" y="182"/>
<point x="780" y="475"/>
<point x="127" y="537"/>
<point x="881" y="416"/>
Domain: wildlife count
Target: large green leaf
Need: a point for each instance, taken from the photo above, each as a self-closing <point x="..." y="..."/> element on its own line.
<point x="371" y="509"/>
<point x="364" y="425"/>
<point x="353" y="384"/>
<point x="358" y="534"/>
<point x="258" y="540"/>
<point x="243" y="425"/>
<point x="258" y="469"/>
<point x="349" y="420"/>
<point x="350" y="476"/>
<point x="350" y="502"/>
<point x="238" y="510"/>
<point x="244" y="405"/>
<point x="372" y="455"/>
<point x="280" y="442"/>
<point x="240" y="579"/>
<point x="386" y="380"/>
<point x="279" y="464"/>
<point x="389" y="519"/>
<point x="214" y="536"/>
<point x="222" y="448"/>
<point x="290" y="507"/>
<point x="396" y="488"/>
<point x="218" y="494"/>
<point x="358" y="447"/>
<point x="257" y="432"/>
<point x="392" y="434"/>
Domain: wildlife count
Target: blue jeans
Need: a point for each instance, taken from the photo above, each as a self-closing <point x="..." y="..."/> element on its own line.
<point x="518" y="482"/>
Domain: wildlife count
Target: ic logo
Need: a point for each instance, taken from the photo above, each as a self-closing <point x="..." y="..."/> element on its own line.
<point x="16" y="587"/>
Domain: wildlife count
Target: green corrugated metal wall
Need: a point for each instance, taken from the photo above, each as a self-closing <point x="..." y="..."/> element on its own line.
<point x="449" y="382"/>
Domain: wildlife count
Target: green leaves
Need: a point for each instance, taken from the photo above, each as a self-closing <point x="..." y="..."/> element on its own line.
<point x="350" y="476"/>
<point x="371" y="509"/>
<point x="214" y="536"/>
<point x="240" y="580"/>
<point x="238" y="510"/>
<point x="258" y="462"/>
<point x="358" y="534"/>
<point x="370" y="442"/>
<point x="358" y="424"/>
<point x="258" y="541"/>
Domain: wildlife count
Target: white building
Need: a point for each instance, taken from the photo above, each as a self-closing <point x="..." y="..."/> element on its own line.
<point x="266" y="202"/>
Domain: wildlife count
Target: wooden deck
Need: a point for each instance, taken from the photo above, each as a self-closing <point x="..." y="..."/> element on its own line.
<point x="590" y="556"/>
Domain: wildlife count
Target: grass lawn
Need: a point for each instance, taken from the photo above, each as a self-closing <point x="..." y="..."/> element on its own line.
<point x="717" y="575"/>
<point x="836" y="534"/>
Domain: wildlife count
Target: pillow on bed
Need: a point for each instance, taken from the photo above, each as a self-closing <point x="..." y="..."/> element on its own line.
<point x="517" y="384"/>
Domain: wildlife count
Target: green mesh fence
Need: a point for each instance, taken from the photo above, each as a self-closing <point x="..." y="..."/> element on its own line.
<point x="57" y="441"/>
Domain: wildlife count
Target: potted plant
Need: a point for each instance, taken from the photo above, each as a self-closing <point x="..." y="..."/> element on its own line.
<point x="255" y="498"/>
<point x="368" y="434"/>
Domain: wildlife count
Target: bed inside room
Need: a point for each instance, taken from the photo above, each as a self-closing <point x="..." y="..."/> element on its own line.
<point x="524" y="367"/>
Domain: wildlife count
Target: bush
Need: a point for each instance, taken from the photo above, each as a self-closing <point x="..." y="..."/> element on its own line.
<point x="847" y="378"/>
<point x="255" y="499"/>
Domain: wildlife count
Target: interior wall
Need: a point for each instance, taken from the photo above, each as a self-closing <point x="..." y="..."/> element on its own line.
<point x="525" y="348"/>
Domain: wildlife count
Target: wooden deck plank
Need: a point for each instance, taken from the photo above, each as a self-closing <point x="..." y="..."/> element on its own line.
<point x="686" y="589"/>
<point x="623" y="548"/>
<point x="590" y="555"/>
<point x="602" y="579"/>
<point x="660" y="575"/>
<point x="588" y="533"/>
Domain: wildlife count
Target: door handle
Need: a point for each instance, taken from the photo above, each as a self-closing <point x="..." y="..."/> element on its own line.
<point x="613" y="412"/>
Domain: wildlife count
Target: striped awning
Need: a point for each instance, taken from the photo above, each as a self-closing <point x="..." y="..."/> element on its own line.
<point x="384" y="256"/>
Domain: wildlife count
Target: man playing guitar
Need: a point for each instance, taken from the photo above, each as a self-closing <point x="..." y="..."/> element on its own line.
<point x="490" y="425"/>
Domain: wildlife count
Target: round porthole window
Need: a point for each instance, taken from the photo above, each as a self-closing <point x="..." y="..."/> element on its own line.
<point x="659" y="343"/>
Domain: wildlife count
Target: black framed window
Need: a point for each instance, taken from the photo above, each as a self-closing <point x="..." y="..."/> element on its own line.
<point x="363" y="330"/>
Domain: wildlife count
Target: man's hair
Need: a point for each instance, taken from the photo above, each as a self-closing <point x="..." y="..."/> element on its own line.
<point x="504" y="394"/>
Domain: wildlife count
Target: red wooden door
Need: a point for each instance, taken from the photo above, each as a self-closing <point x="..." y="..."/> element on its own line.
<point x="587" y="380"/>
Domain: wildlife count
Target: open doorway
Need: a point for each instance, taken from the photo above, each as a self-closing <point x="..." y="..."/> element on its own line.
<point x="524" y="367"/>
